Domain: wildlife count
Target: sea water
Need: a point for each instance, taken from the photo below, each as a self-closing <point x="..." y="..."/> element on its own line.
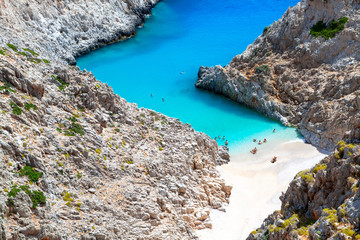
<point x="157" y="68"/>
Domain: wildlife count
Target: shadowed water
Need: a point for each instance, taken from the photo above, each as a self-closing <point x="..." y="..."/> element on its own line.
<point x="164" y="57"/>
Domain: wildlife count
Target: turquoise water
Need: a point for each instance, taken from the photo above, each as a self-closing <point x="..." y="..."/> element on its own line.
<point x="164" y="57"/>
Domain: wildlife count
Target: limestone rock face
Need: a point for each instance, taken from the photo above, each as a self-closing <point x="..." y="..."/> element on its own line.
<point x="289" y="75"/>
<point x="63" y="30"/>
<point x="109" y="169"/>
<point x="322" y="202"/>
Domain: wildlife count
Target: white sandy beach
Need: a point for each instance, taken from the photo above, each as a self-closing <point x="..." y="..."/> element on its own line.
<point x="257" y="185"/>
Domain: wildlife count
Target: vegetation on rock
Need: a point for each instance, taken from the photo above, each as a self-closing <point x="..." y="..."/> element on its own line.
<point x="330" y="30"/>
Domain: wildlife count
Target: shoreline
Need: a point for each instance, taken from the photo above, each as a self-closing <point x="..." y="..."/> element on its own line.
<point x="257" y="186"/>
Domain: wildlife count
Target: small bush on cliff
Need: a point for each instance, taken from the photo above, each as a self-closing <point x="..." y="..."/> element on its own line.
<point x="29" y="106"/>
<point x="7" y="88"/>
<point x="331" y="215"/>
<point x="75" y="128"/>
<point x="330" y="30"/>
<point x="12" y="47"/>
<point x="348" y="231"/>
<point x="30" y="51"/>
<point x="37" y="197"/>
<point x="16" y="109"/>
<point x="319" y="167"/>
<point x="62" y="82"/>
<point x="262" y="69"/>
<point x="32" y="174"/>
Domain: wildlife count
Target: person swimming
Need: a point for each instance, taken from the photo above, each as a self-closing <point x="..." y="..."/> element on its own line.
<point x="265" y="140"/>
<point x="254" y="140"/>
<point x="223" y="137"/>
<point x="163" y="99"/>
<point x="274" y="130"/>
<point x="226" y="142"/>
<point x="151" y="95"/>
<point x="259" y="142"/>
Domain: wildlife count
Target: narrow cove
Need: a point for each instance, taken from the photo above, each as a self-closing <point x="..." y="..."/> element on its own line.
<point x="157" y="69"/>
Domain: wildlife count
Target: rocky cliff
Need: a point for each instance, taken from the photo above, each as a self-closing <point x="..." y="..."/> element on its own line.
<point x="77" y="160"/>
<point x="320" y="203"/>
<point x="67" y="29"/>
<point x="309" y="80"/>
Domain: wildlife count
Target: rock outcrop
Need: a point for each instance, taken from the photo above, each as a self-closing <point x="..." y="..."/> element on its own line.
<point x="64" y="30"/>
<point x="320" y="203"/>
<point x="292" y="76"/>
<point x="79" y="162"/>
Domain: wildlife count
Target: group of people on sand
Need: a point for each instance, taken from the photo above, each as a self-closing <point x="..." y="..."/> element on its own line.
<point x="254" y="151"/>
<point x="223" y="138"/>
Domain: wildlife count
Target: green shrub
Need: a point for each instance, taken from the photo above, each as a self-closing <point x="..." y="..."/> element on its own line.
<point x="290" y="221"/>
<point x="15" y="108"/>
<point x="12" y="47"/>
<point x="308" y="177"/>
<point x="265" y="30"/>
<point x="75" y="128"/>
<point x="29" y="106"/>
<point x="62" y="82"/>
<point x="30" y="51"/>
<point x="319" y="167"/>
<point x="22" y="54"/>
<point x="67" y="197"/>
<point x="331" y="215"/>
<point x="13" y="191"/>
<point x="330" y="30"/>
<point x="34" y="60"/>
<point x="2" y="52"/>
<point x="348" y="231"/>
<point x="32" y="174"/>
<point x="262" y="69"/>
<point x="37" y="197"/>
<point x="46" y="61"/>
<point x="7" y="88"/>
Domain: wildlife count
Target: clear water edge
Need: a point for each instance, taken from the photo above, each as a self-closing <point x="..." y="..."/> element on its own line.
<point x="164" y="57"/>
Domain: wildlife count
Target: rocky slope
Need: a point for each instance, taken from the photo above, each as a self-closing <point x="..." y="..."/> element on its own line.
<point x="320" y="203"/>
<point x="66" y="29"/>
<point x="79" y="162"/>
<point x="290" y="75"/>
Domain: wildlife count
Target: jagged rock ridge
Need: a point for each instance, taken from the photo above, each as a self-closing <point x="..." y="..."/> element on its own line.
<point x="320" y="203"/>
<point x="289" y="75"/>
<point x="64" y="30"/>
<point x="109" y="170"/>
